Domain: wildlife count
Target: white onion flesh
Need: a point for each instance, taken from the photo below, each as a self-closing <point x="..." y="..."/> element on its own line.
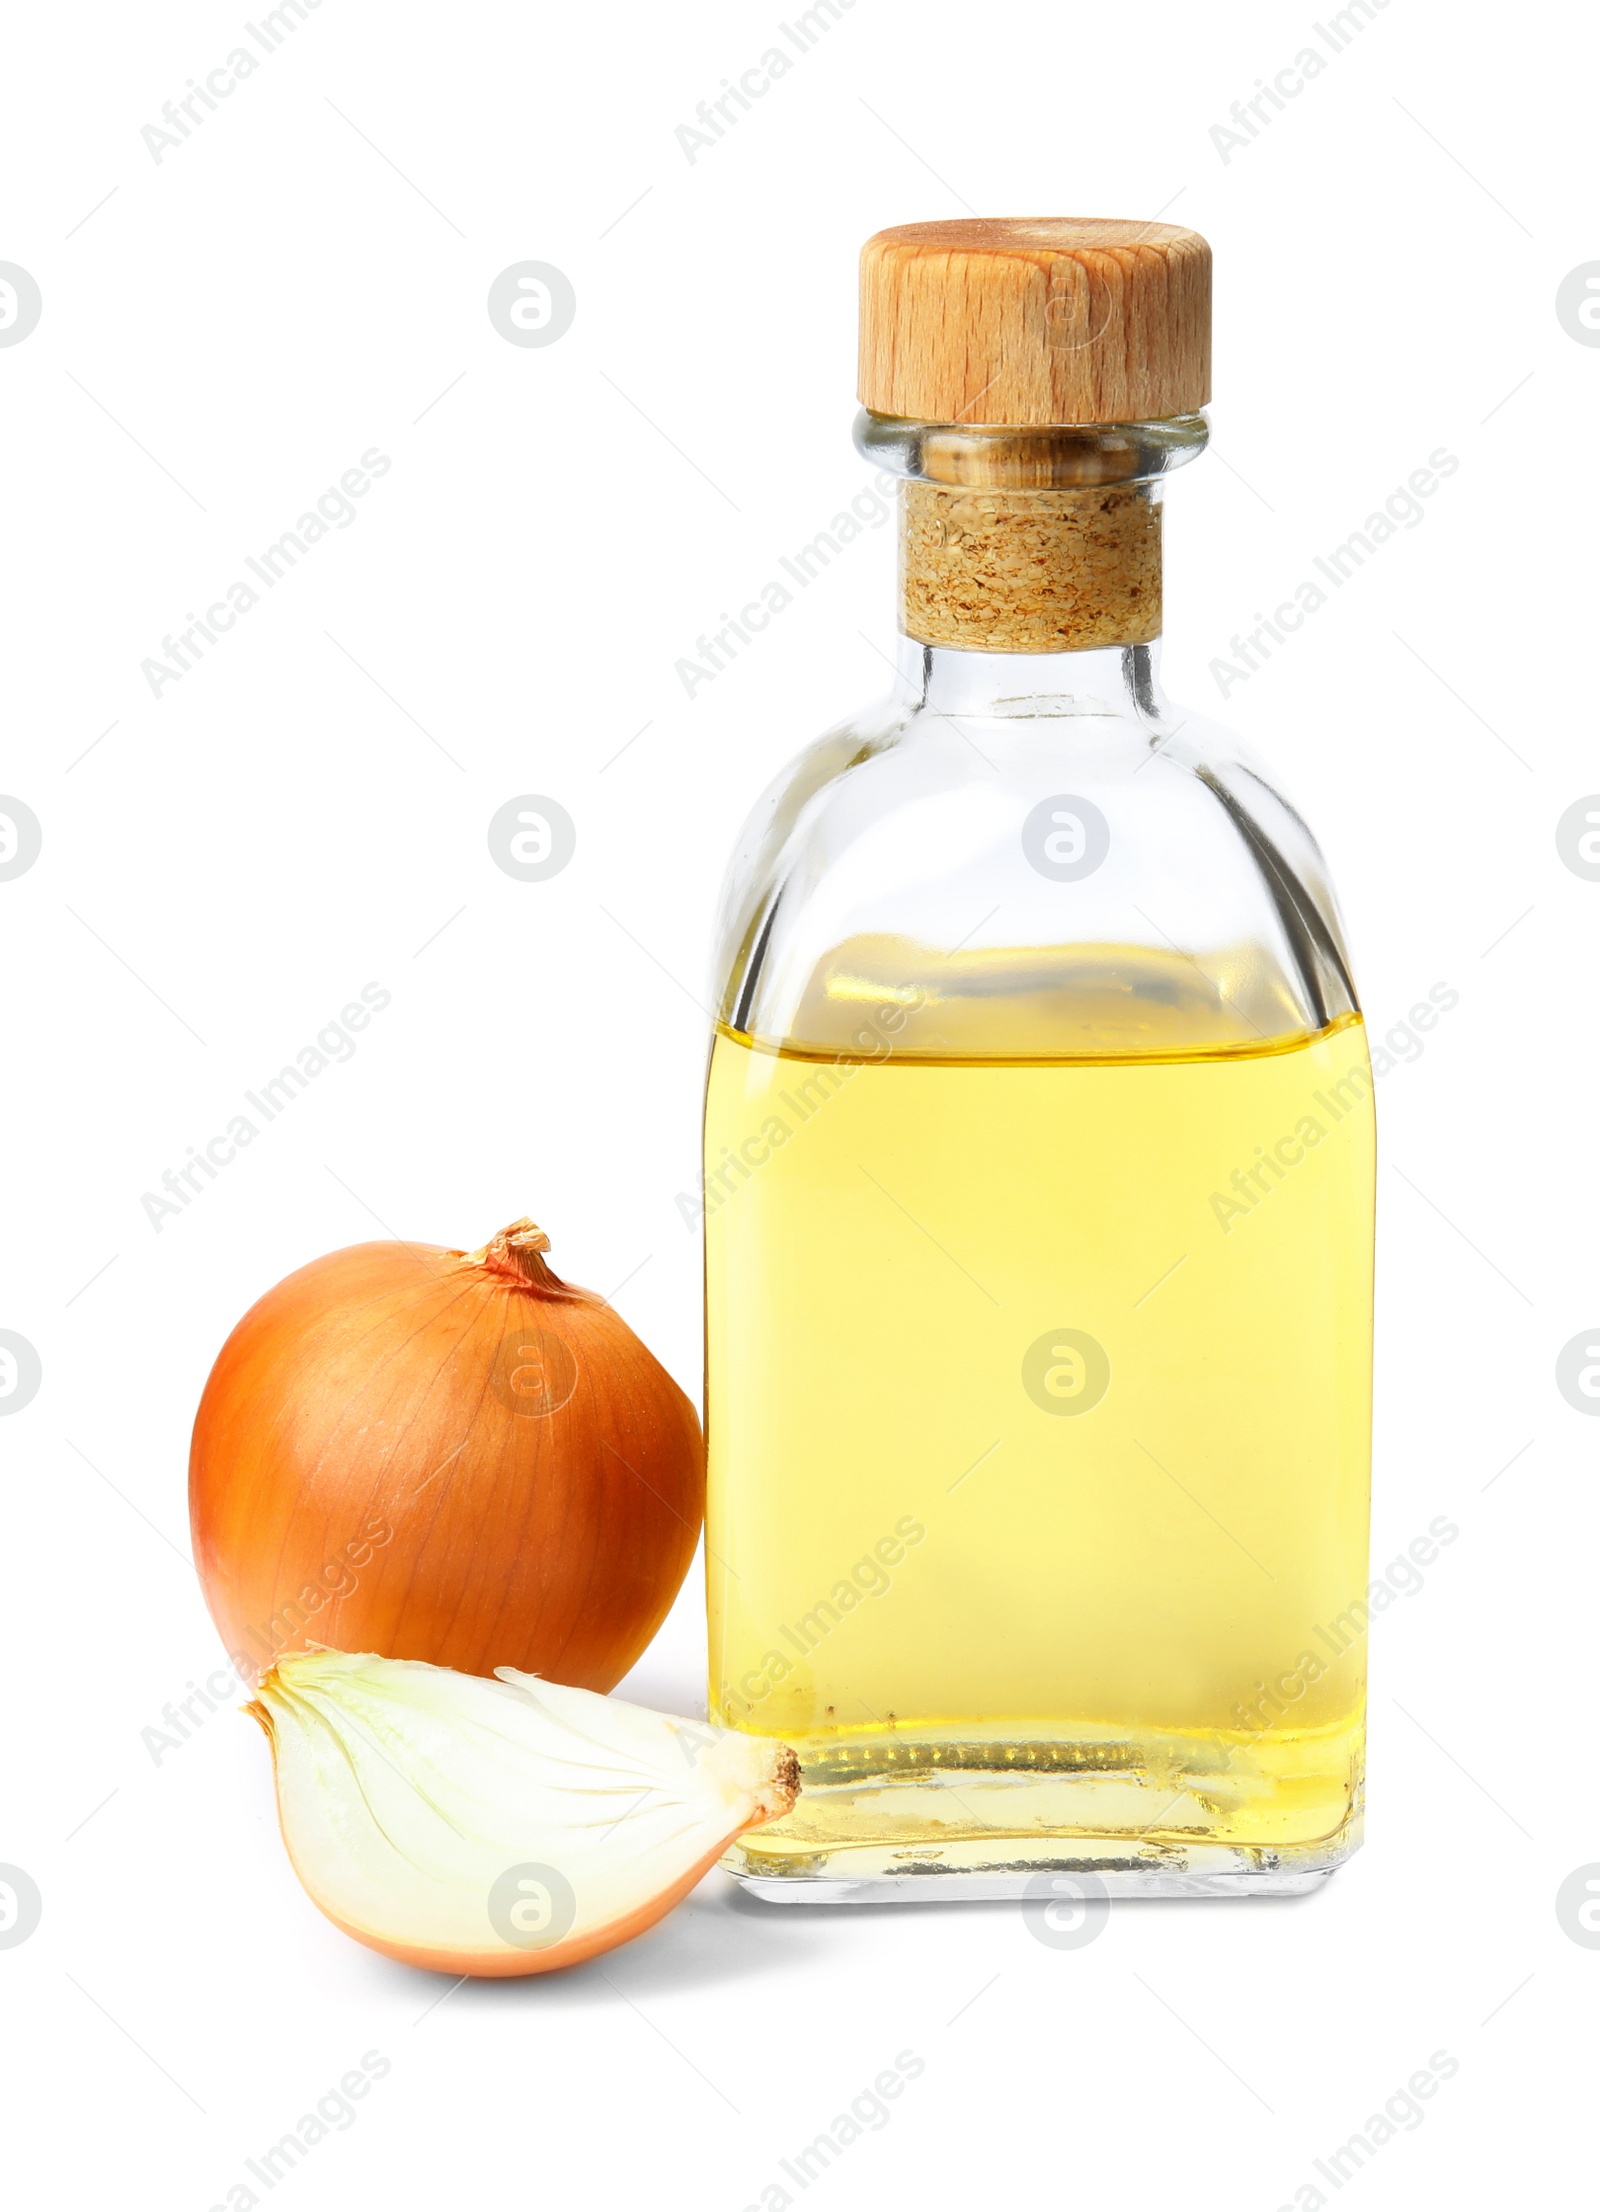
<point x="499" y="1827"/>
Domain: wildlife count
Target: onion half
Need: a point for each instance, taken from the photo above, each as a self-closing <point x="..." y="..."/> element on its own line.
<point x="499" y="1827"/>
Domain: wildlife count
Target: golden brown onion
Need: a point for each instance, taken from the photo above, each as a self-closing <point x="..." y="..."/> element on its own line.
<point x="443" y="1456"/>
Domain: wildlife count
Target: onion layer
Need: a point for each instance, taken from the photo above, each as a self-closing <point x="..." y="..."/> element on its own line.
<point x="443" y="1456"/>
<point x="502" y="1827"/>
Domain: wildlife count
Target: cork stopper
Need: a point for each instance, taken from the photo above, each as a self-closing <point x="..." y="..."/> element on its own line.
<point x="1012" y="331"/>
<point x="1030" y="572"/>
<point x="1059" y="319"/>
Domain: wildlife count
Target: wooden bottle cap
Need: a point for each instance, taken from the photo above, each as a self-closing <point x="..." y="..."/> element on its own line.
<point x="1058" y="319"/>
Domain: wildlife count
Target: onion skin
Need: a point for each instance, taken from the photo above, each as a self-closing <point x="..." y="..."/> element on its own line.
<point x="430" y="1455"/>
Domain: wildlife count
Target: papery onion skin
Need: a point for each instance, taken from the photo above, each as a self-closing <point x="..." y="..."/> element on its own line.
<point x="448" y="1457"/>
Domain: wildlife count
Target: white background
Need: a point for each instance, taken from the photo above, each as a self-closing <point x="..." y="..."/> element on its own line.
<point x="223" y="867"/>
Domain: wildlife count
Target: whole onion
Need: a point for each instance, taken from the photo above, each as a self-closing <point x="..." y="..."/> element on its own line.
<point x="446" y="1456"/>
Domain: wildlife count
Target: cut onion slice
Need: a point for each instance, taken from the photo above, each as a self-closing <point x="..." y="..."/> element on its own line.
<point x="502" y="1827"/>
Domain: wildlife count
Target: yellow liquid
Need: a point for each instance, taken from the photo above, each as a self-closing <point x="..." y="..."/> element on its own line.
<point x="1039" y="1439"/>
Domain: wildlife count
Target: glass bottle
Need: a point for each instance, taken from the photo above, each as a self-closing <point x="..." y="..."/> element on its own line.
<point x="1039" y="1171"/>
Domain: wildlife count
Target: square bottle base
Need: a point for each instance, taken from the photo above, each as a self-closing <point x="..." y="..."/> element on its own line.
<point x="959" y="1830"/>
<point x="858" y="1877"/>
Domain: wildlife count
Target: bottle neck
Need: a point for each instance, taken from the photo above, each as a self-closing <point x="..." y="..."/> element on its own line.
<point x="1121" y="680"/>
<point x="1031" y="541"/>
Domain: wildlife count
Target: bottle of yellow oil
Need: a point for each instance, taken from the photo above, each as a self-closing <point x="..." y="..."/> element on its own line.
<point x="1039" y="1170"/>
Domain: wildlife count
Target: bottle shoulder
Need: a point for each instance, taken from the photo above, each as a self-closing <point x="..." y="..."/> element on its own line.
<point x="1029" y="883"/>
